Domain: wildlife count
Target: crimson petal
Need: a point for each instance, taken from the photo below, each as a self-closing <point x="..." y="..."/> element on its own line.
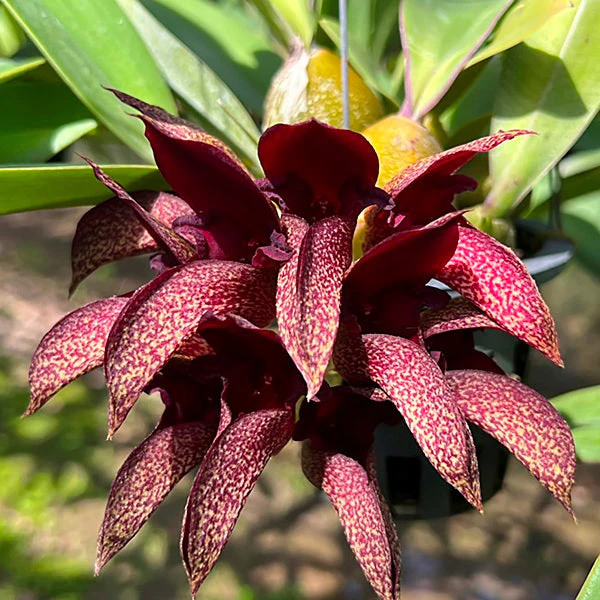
<point x="309" y="291"/>
<point x="226" y="478"/>
<point x="364" y="516"/>
<point x="147" y="476"/>
<point x="74" y="346"/>
<point x="492" y="277"/>
<point x="205" y="172"/>
<point x="112" y="231"/>
<point x="165" y="312"/>
<point x="524" y="421"/>
<point x="424" y="189"/>
<point x="325" y="163"/>
<point x="409" y="256"/>
<point x="416" y="385"/>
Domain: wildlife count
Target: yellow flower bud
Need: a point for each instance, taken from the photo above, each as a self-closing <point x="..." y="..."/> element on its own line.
<point x="309" y="85"/>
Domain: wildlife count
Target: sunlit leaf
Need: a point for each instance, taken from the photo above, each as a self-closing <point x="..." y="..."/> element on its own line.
<point x="591" y="585"/>
<point x="11" y="35"/>
<point x="37" y="187"/>
<point x="524" y="19"/>
<point x="13" y="67"/>
<point x="558" y="103"/>
<point x="437" y="43"/>
<point x="231" y="42"/>
<point x="86" y="41"/>
<point x="218" y="108"/>
<point x="38" y="120"/>
<point x="287" y="17"/>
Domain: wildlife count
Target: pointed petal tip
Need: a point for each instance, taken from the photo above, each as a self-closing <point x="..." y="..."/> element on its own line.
<point x="102" y="557"/>
<point x="471" y="491"/>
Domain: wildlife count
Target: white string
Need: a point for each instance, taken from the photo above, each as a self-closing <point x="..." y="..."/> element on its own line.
<point x="344" y="65"/>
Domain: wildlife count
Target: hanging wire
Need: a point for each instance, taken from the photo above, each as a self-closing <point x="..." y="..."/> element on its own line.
<point x="344" y="63"/>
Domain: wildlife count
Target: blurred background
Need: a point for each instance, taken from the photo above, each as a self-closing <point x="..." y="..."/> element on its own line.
<point x="56" y="469"/>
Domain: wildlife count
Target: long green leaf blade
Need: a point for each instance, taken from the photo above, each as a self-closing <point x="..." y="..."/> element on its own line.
<point x="38" y="120"/>
<point x="92" y="44"/>
<point x="231" y="42"/>
<point x="287" y="17"/>
<point x="558" y="103"/>
<point x="520" y="22"/>
<point x="13" y="67"/>
<point x="220" y="111"/>
<point x="591" y="585"/>
<point x="39" y="187"/>
<point x="439" y="37"/>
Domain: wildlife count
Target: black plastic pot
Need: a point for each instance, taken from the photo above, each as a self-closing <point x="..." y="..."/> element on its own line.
<point x="412" y="487"/>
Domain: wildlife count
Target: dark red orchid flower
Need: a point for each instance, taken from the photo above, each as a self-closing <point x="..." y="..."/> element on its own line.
<point x="227" y="264"/>
<point x="412" y="340"/>
<point x="323" y="178"/>
<point x="230" y="396"/>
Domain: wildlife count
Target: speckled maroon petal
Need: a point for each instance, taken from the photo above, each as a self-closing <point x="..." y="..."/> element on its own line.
<point x="205" y="172"/>
<point x="112" y="231"/>
<point x="324" y="159"/>
<point x="524" y="421"/>
<point x="309" y="290"/>
<point x="147" y="476"/>
<point x="458" y="314"/>
<point x="429" y="177"/>
<point x="355" y="498"/>
<point x="165" y="312"/>
<point x="226" y="478"/>
<point x="74" y="346"/>
<point x="416" y="386"/>
<point x="181" y="248"/>
<point x="490" y="275"/>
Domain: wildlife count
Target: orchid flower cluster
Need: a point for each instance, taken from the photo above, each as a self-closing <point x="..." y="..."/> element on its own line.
<point x="231" y="254"/>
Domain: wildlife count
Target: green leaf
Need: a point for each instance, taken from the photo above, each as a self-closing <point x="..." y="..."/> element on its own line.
<point x="438" y="39"/>
<point x="13" y="67"/>
<point x="38" y="120"/>
<point x="92" y="44"/>
<point x="230" y="41"/>
<point x="522" y="20"/>
<point x="476" y="100"/>
<point x="220" y="112"/>
<point x="11" y="35"/>
<point x="287" y="18"/>
<point x="39" y="187"/>
<point x="591" y="586"/>
<point x="580" y="407"/>
<point x="587" y="443"/>
<point x="558" y="103"/>
<point x="581" y="221"/>
<point x="580" y="162"/>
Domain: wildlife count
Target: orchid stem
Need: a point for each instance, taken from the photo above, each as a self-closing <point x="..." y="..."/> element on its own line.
<point x="344" y="64"/>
